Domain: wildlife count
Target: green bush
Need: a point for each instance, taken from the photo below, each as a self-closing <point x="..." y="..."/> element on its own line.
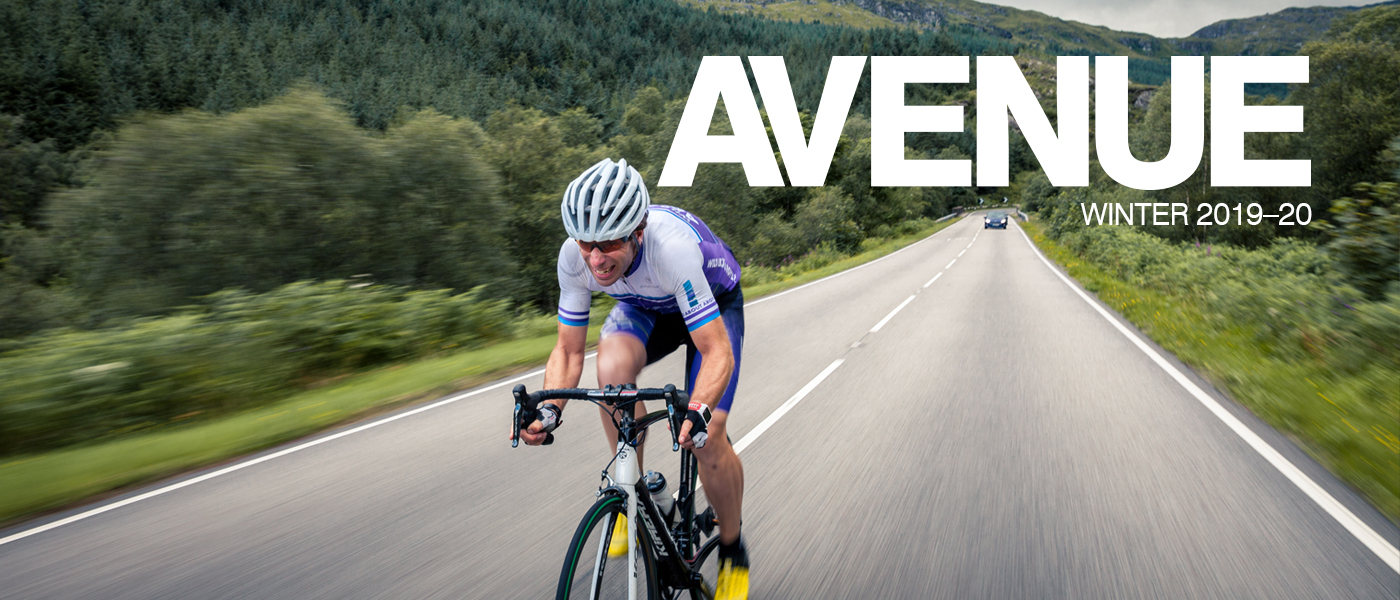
<point x="754" y="275"/>
<point x="821" y="256"/>
<point x="1367" y="236"/>
<point x="238" y="351"/>
<point x="1290" y="295"/>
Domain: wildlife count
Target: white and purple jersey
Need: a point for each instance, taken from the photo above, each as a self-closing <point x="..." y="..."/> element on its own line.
<point x="680" y="267"/>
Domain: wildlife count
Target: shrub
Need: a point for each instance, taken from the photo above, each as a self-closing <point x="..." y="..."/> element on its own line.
<point x="1288" y="294"/>
<point x="238" y="351"/>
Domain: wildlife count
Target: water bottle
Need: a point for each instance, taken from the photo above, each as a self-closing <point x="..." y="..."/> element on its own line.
<point x="656" y="485"/>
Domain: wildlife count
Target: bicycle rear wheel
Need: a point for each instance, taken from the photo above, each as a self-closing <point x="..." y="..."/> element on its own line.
<point x="589" y="574"/>
<point x="707" y="564"/>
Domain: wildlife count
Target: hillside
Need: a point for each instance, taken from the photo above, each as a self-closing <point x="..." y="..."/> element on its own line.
<point x="1039" y="34"/>
<point x="68" y="69"/>
<point x="1283" y="32"/>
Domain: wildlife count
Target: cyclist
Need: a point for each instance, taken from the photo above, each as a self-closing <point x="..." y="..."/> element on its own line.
<point x="676" y="283"/>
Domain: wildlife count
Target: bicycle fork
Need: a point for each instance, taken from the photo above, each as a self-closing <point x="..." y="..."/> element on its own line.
<point x="673" y="570"/>
<point x="629" y="473"/>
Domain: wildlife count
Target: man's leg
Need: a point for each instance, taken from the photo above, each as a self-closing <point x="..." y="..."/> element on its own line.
<point x="723" y="477"/>
<point x="720" y="469"/>
<point x="620" y="359"/>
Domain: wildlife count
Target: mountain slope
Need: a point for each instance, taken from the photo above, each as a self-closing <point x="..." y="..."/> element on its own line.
<point x="1283" y="32"/>
<point x="1036" y="33"/>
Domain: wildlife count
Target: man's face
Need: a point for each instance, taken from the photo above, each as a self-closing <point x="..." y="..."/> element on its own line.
<point x="608" y="267"/>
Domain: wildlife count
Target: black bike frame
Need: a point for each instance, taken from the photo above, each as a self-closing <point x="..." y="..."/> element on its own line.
<point x="677" y="553"/>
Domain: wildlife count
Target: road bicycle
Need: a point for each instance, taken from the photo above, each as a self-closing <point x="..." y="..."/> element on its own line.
<point x="669" y="556"/>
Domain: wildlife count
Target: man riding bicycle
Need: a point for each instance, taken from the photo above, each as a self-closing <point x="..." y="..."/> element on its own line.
<point x="676" y="283"/>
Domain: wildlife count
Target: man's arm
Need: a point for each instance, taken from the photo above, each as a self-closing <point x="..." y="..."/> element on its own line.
<point x="563" y="370"/>
<point x="565" y="366"/>
<point x="716" y="366"/>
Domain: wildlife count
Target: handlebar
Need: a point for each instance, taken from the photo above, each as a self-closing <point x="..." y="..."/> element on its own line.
<point x="527" y="403"/>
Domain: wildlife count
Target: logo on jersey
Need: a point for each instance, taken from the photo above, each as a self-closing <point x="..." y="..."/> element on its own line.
<point x="721" y="263"/>
<point x="690" y="294"/>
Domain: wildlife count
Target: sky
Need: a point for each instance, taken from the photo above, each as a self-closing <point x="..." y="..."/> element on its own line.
<point x="1162" y="18"/>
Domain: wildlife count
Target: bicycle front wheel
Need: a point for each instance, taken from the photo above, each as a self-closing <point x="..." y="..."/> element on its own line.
<point x="589" y="574"/>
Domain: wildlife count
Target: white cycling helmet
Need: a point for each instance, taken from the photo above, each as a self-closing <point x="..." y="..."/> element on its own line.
<point x="606" y="202"/>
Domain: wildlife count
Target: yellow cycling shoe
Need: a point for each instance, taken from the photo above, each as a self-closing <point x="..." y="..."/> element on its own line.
<point x="618" y="546"/>
<point x="733" y="580"/>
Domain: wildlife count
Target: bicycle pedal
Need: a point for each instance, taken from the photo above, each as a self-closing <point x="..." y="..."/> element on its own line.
<point x="706" y="521"/>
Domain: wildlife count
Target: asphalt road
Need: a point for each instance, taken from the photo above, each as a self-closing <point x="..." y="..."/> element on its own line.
<point x="996" y="438"/>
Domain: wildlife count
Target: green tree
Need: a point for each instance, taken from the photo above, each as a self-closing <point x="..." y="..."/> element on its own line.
<point x="186" y="205"/>
<point x="1035" y="188"/>
<point x="578" y="128"/>
<point x="535" y="166"/>
<point x="28" y="171"/>
<point x="827" y="215"/>
<point x="33" y="296"/>
<point x="1352" y="100"/>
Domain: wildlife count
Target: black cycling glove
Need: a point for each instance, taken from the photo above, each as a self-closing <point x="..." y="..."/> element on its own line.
<point x="550" y="416"/>
<point x="699" y="417"/>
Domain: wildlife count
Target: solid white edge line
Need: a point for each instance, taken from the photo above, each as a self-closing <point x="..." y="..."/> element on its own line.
<point x="261" y="459"/>
<point x="1363" y="532"/>
<point x="892" y="314"/>
<point x="935" y="278"/>
<point x="787" y="406"/>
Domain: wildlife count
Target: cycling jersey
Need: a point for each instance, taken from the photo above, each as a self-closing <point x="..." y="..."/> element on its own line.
<point x="681" y="266"/>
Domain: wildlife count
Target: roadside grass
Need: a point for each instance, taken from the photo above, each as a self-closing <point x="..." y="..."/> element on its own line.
<point x="52" y="479"/>
<point x="47" y="481"/>
<point x="1332" y="416"/>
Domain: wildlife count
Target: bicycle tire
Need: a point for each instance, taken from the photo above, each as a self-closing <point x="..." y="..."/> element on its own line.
<point x="576" y="578"/>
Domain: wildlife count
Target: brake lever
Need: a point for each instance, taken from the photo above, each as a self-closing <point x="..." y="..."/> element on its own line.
<point x="525" y="414"/>
<point x="671" y="416"/>
<point x="519" y="393"/>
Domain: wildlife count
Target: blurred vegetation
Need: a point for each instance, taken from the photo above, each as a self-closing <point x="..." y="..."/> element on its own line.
<point x="237" y="352"/>
<point x="1366" y="241"/>
<point x="1289" y="293"/>
<point x="186" y="205"/>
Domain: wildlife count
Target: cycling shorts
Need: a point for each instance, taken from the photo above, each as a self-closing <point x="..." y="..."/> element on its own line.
<point x="662" y="333"/>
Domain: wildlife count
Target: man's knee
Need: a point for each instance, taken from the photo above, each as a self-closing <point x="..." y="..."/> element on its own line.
<point x="717" y="451"/>
<point x="620" y="359"/>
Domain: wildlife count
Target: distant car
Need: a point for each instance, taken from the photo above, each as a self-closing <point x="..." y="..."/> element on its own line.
<point x="995" y="218"/>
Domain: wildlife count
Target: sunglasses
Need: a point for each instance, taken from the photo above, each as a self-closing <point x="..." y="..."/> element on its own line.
<point x="605" y="245"/>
